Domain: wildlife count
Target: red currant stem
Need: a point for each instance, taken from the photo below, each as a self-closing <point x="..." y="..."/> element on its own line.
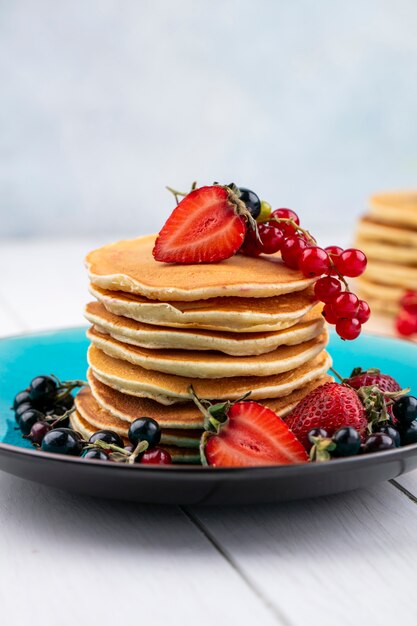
<point x="297" y="227"/>
<point x="141" y="447"/>
<point x="333" y="371"/>
<point x="104" y="445"/>
<point x="339" y="275"/>
<point x="177" y="193"/>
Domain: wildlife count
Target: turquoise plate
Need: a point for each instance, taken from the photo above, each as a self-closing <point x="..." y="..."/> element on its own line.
<point x="64" y="354"/>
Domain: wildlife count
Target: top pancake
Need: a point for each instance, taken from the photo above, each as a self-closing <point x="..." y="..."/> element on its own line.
<point x="129" y="266"/>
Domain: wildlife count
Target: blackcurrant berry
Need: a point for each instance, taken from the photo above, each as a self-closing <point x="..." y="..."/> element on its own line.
<point x="388" y="429"/>
<point x="21" y="398"/>
<point x="347" y="440"/>
<point x="42" y="389"/>
<point x="409" y="434"/>
<point x="67" y="402"/>
<point x="62" y="441"/>
<point x="96" y="454"/>
<point x="378" y="442"/>
<point x="58" y="409"/>
<point x="145" y="429"/>
<point x="22" y="408"/>
<point x="108" y="436"/>
<point x="251" y="200"/>
<point x="38" y="432"/>
<point x="405" y="410"/>
<point x="28" y="419"/>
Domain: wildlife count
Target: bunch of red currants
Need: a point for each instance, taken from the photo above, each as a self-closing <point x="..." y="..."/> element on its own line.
<point x="406" y="321"/>
<point x="280" y="231"/>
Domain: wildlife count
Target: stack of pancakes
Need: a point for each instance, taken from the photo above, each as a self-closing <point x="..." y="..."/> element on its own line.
<point x="245" y="324"/>
<point x="388" y="236"/>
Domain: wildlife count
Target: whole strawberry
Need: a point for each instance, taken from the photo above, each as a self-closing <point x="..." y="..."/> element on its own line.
<point x="330" y="406"/>
<point x="372" y="377"/>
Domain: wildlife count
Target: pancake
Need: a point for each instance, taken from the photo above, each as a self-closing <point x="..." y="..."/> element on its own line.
<point x="129" y="266"/>
<point x="169" y="389"/>
<point x="178" y="455"/>
<point x="221" y="314"/>
<point x="90" y="410"/>
<point x="403" y="276"/>
<point x="210" y="364"/>
<point x="237" y="344"/>
<point x="370" y="229"/>
<point x="383" y="297"/>
<point x="127" y="408"/>
<point x="377" y="250"/>
<point x="398" y="208"/>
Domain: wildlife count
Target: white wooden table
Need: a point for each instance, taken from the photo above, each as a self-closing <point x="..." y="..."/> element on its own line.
<point x="349" y="559"/>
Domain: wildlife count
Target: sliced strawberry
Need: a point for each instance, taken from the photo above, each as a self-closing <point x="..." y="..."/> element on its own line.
<point x="252" y="435"/>
<point x="330" y="406"/>
<point x="208" y="225"/>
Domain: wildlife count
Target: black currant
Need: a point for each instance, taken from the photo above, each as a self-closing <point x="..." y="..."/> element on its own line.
<point x="38" y="432"/>
<point x="405" y="410"/>
<point x="409" y="434"/>
<point x="28" y="419"/>
<point x="145" y="429"/>
<point x="96" y="454"/>
<point x="108" y="436"/>
<point x="42" y="390"/>
<point x="22" y="408"/>
<point x="388" y="429"/>
<point x="58" y="409"/>
<point x="62" y="441"/>
<point x="378" y="442"/>
<point x="67" y="402"/>
<point x="21" y="398"/>
<point x="251" y="200"/>
<point x="347" y="440"/>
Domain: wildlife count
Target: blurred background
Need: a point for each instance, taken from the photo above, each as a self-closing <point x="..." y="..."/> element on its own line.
<point x="311" y="104"/>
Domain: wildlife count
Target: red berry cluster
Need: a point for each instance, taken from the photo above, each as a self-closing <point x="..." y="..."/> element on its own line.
<point x="281" y="232"/>
<point x="406" y="321"/>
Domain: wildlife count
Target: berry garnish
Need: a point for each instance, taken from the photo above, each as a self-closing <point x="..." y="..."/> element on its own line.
<point x="372" y="377"/>
<point x="364" y="312"/>
<point x="109" y="436"/>
<point x="208" y="225"/>
<point x="62" y="441"/>
<point x="405" y="410"/>
<point x="95" y="454"/>
<point x="346" y="305"/>
<point x="288" y="227"/>
<point x="348" y="329"/>
<point x="314" y="261"/>
<point x="409" y="302"/>
<point x="251" y="201"/>
<point x="265" y="213"/>
<point x="271" y="238"/>
<point x="42" y="390"/>
<point x="23" y="397"/>
<point x="388" y="429"/>
<point x="22" y="408"/>
<point x="38" y="432"/>
<point x="291" y="251"/>
<point x="377" y="442"/>
<point x="145" y="429"/>
<point x="327" y="288"/>
<point x="406" y="323"/>
<point x="330" y="406"/>
<point x="28" y="419"/>
<point x="351" y="262"/>
<point x="316" y="432"/>
<point x="347" y="442"/>
<point x="409" y="434"/>
<point x="156" y="456"/>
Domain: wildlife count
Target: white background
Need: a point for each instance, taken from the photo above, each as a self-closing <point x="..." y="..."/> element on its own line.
<point x="312" y="104"/>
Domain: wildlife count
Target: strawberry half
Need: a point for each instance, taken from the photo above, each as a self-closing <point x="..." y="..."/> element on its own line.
<point x="330" y="406"/>
<point x="251" y="435"/>
<point x="208" y="225"/>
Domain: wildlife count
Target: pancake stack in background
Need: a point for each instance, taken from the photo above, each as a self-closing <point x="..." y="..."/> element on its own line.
<point x="245" y="324"/>
<point x="388" y="236"/>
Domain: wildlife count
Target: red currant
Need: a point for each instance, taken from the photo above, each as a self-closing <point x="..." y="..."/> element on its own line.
<point x="348" y="329"/>
<point x="314" y="261"/>
<point x="286" y="214"/>
<point x="251" y="245"/>
<point x="156" y="456"/>
<point x="329" y="314"/>
<point x="346" y="305"/>
<point x="406" y="323"/>
<point x="409" y="301"/>
<point x="272" y="238"/>
<point x="327" y="288"/>
<point x="351" y="262"/>
<point x="364" y="312"/>
<point x="291" y="251"/>
<point x="334" y="250"/>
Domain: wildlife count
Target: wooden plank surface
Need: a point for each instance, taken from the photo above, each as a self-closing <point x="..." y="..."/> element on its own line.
<point x="345" y="560"/>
